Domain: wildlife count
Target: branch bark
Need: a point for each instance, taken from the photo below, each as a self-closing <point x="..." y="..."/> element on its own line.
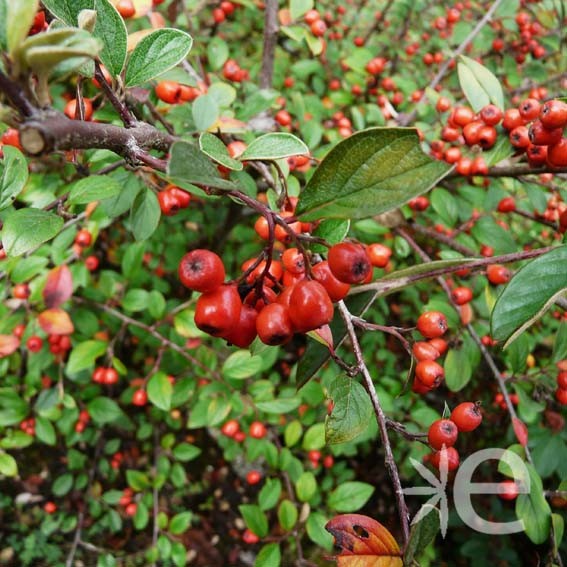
<point x="270" y="42"/>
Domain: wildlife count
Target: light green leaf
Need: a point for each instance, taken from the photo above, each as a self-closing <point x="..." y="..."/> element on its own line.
<point x="83" y="356"/>
<point x="529" y="295"/>
<point x="255" y="520"/>
<point x="145" y="214"/>
<point x="306" y="486"/>
<point x="276" y="145"/>
<point x="299" y="7"/>
<point x="217" y="52"/>
<point x="14" y="175"/>
<point x="45" y="431"/>
<point x="269" y="556"/>
<point x="270" y="493"/>
<point x="25" y="229"/>
<point x="111" y="29"/>
<point x="8" y="465"/>
<point x="180" y="523"/>
<point x="282" y="405"/>
<point x="287" y="514"/>
<point x="205" y="112"/>
<point x="93" y="188"/>
<point x="214" y="147"/>
<point x="157" y="53"/>
<point x="371" y="172"/>
<point x="479" y="85"/>
<point x="19" y="20"/>
<point x="458" y="370"/>
<point x="241" y="364"/>
<point x="186" y="452"/>
<point x="160" y="391"/>
<point x="351" y="413"/>
<point x="104" y="410"/>
<point x="534" y="510"/>
<point x="350" y="496"/>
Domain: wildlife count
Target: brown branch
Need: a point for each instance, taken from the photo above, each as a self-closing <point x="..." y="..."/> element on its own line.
<point x="127" y="117"/>
<point x="270" y="42"/>
<point x="380" y="418"/>
<point x="16" y="96"/>
<point x="452" y="243"/>
<point x="54" y="131"/>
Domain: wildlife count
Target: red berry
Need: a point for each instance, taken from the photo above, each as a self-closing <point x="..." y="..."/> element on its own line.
<point x="131" y="509"/>
<point x="467" y="416"/>
<point x="140" y="397"/>
<point x="491" y="115"/>
<point x="201" y="270"/>
<point x="293" y="261"/>
<point x="126" y="8"/>
<point x="250" y="537"/>
<point x="91" y="263"/>
<point x="168" y="203"/>
<point x="21" y="291"/>
<point x="310" y="306"/>
<point x="336" y="289"/>
<point x="451" y="455"/>
<point x="508" y="490"/>
<point x="557" y="154"/>
<point x="539" y="135"/>
<point x="110" y="376"/>
<point x="230" y="428"/>
<point x="257" y="430"/>
<point x="349" y="262"/>
<point x="218" y="311"/>
<point x="274" y="325"/>
<point x="507" y="205"/>
<point x="462" y="295"/>
<point x="34" y="344"/>
<point x="425" y="351"/>
<point x="498" y="274"/>
<point x="562" y="380"/>
<point x="244" y="332"/>
<point x="529" y="109"/>
<point x="429" y="373"/>
<point x="432" y="324"/>
<point x="442" y="432"/>
<point x="50" y="507"/>
<point x="83" y="238"/>
<point x="553" y="114"/>
<point x="379" y="255"/>
<point x="253" y="477"/>
<point x="561" y="396"/>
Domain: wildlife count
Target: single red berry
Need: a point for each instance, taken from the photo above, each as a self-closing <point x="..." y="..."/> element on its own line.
<point x="424" y="351"/>
<point x="11" y="137"/>
<point x="110" y="376"/>
<point x="318" y="28"/>
<point x="50" y="507"/>
<point x="230" y="428"/>
<point x="529" y="109"/>
<point x="491" y="115"/>
<point x="310" y="306"/>
<point x="512" y="119"/>
<point x="283" y="118"/>
<point x="131" y="509"/>
<point x="519" y="137"/>
<point x="429" y="373"/>
<point x="218" y="311"/>
<point x="83" y="238"/>
<point x="432" y="324"/>
<point x="508" y="490"/>
<point x="507" y="205"/>
<point x="467" y="416"/>
<point x="253" y="477"/>
<point x="257" y="430"/>
<point x="448" y="454"/>
<point x="328" y="461"/>
<point x="293" y="261"/>
<point x="498" y="274"/>
<point x="557" y="154"/>
<point x="442" y="432"/>
<point x="126" y="8"/>
<point x="562" y="380"/>
<point x="462" y="295"/>
<point x="461" y="116"/>
<point x="336" y="289"/>
<point x="553" y="114"/>
<point x="21" y="291"/>
<point x="439" y="344"/>
<point x="349" y="262"/>
<point x="168" y="91"/>
<point x="274" y="325"/>
<point x="34" y="344"/>
<point x="201" y="270"/>
<point x="539" y="135"/>
<point x="379" y="254"/>
<point x="244" y="332"/>
<point x="250" y="537"/>
<point x="218" y="15"/>
<point x="91" y="263"/>
<point x="168" y="203"/>
<point x="561" y="396"/>
<point x="72" y="109"/>
<point x="140" y="397"/>
<point x="183" y="198"/>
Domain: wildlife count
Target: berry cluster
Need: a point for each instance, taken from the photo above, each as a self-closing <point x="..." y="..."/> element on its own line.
<point x="172" y="92"/>
<point x="443" y="433"/>
<point x="84" y="418"/>
<point x="561" y="391"/>
<point x="105" y="375"/>
<point x="28" y="426"/>
<point x="223" y="11"/>
<point x="126" y="502"/>
<point x="172" y="199"/>
<point x="232" y="71"/>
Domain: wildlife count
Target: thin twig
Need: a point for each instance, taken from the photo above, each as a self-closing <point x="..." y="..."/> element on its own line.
<point x="270" y="42"/>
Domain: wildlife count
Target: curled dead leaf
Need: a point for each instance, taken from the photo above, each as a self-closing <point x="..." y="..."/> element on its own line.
<point x="58" y="287"/>
<point x="8" y="345"/>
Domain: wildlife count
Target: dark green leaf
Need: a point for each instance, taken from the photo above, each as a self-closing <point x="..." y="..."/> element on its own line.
<point x="422" y="533"/>
<point x="371" y="172"/>
<point x="137" y="480"/>
<point x="534" y="510"/>
<point x="270" y="493"/>
<point x="458" y="370"/>
<point x="205" y="112"/>
<point x="282" y="405"/>
<point x="350" y="496"/>
<point x="25" y="229"/>
<point x="241" y="364"/>
<point x="306" y="486"/>
<point x="45" y="431"/>
<point x="93" y="188"/>
<point x="213" y="147"/>
<point x="157" y="53"/>
<point x="529" y="294"/>
<point x="255" y="519"/>
<point x="104" y="410"/>
<point x="110" y="28"/>
<point x="160" y="391"/>
<point x="186" y="452"/>
<point x="83" y="356"/>
<point x="68" y="10"/>
<point x="62" y="485"/>
<point x="180" y="522"/>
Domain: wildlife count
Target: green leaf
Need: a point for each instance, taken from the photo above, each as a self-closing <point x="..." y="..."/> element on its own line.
<point x="45" y="431"/>
<point x="299" y="7"/>
<point x="93" y="188"/>
<point x="186" y="452"/>
<point x="534" y="510"/>
<point x="350" y="496"/>
<point x="270" y="493"/>
<point x="269" y="556"/>
<point x="560" y="343"/>
<point x="371" y="172"/>
<point x="104" y="410"/>
<point x="281" y="405"/>
<point x="331" y="230"/>
<point x="145" y="214"/>
<point x="351" y="413"/>
<point x="292" y="433"/>
<point x="479" y="85"/>
<point x="255" y="520"/>
<point x="137" y="480"/>
<point x="214" y="147"/>
<point x="180" y="523"/>
<point x="16" y="440"/>
<point x="205" y="112"/>
<point x="136" y="300"/>
<point x="276" y="145"/>
<point x="8" y="465"/>
<point x="306" y="486"/>
<point x="19" y="20"/>
<point x="529" y="294"/>
<point x="178" y="554"/>
<point x="224" y="94"/>
<point x="12" y="408"/>
<point x="83" y="356"/>
<point x="157" y="53"/>
<point x="68" y="10"/>
<point x="111" y="29"/>
<point x="241" y="364"/>
<point x="458" y="370"/>
<point x="142" y="516"/>
<point x="187" y="164"/>
<point x="14" y="175"/>
<point x="445" y="206"/>
<point x="217" y="52"/>
<point x="316" y="530"/>
<point x="422" y="533"/>
<point x="3" y="11"/>
<point x="25" y="229"/>
<point x="287" y="514"/>
<point x="160" y="391"/>
<point x="558" y="525"/>
<point x="63" y="485"/>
